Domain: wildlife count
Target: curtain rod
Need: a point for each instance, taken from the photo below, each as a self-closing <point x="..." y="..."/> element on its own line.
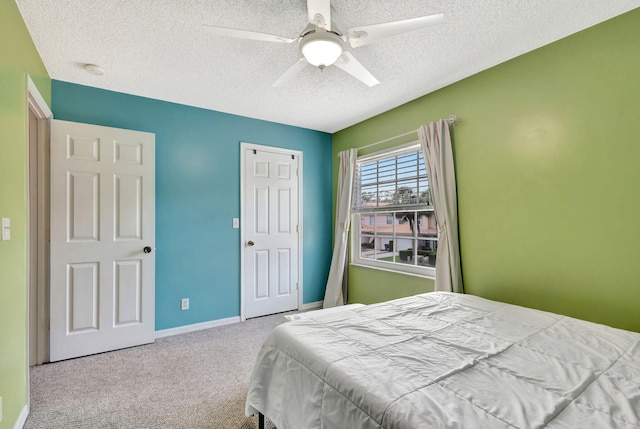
<point x="452" y="120"/>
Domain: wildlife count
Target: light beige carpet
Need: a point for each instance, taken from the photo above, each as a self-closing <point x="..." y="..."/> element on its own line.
<point x="197" y="380"/>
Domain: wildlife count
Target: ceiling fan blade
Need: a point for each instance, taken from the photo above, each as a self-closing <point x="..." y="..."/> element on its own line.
<point x="245" y="34"/>
<point x="319" y="12"/>
<point x="359" y="36"/>
<point x="293" y="70"/>
<point x="348" y="63"/>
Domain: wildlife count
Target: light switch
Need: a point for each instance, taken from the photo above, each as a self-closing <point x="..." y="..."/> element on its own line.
<point x="236" y="222"/>
<point x="6" y="229"/>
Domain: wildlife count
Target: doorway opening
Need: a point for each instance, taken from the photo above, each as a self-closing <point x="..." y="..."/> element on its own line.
<point x="38" y="115"/>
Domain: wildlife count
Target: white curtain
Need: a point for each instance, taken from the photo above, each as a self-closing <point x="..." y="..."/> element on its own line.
<point x="435" y="140"/>
<point x="333" y="295"/>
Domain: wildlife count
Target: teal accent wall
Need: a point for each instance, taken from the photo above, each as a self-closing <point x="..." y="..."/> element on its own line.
<point x="547" y="158"/>
<point x="198" y="193"/>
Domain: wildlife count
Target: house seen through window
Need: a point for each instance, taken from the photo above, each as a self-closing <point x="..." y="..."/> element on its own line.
<point x="394" y="221"/>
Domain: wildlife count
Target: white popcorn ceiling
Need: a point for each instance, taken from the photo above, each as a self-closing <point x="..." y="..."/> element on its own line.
<point x="158" y="49"/>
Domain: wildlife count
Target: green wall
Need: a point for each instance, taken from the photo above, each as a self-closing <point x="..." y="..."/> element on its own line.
<point x="18" y="56"/>
<point x="547" y="159"/>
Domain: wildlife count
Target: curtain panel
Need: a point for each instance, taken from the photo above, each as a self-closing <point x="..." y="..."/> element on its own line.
<point x="435" y="140"/>
<point x="334" y="294"/>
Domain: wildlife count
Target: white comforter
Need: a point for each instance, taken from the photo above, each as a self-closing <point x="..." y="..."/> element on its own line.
<point x="442" y="360"/>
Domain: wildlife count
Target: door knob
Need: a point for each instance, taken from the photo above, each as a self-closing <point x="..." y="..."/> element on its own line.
<point x="250" y="243"/>
<point x="147" y="249"/>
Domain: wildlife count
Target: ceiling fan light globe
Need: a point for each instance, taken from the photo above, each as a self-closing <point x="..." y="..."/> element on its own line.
<point x="321" y="51"/>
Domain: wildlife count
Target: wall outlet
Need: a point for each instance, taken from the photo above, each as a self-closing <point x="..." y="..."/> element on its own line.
<point x="184" y="304"/>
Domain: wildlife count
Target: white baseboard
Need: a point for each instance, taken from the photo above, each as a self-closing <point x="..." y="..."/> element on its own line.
<point x="220" y="322"/>
<point x="22" y="418"/>
<point x="196" y="327"/>
<point x="311" y="305"/>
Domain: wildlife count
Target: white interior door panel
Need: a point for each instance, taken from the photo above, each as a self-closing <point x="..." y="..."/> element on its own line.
<point x="270" y="230"/>
<point x="102" y="239"/>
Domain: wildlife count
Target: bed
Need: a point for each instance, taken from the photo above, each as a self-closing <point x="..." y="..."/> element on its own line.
<point x="444" y="360"/>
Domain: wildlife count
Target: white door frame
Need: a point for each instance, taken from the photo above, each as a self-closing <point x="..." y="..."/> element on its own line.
<point x="251" y="146"/>
<point x="36" y="104"/>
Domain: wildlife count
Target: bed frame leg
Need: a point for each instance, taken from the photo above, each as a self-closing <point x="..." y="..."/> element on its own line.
<point x="260" y="421"/>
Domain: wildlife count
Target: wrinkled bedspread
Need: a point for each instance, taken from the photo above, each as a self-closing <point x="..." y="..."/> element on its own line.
<point x="444" y="360"/>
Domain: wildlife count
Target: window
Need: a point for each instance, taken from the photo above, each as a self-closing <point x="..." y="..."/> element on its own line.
<point x="394" y="222"/>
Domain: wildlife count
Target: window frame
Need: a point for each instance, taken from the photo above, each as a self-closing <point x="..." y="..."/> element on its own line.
<point x="356" y="237"/>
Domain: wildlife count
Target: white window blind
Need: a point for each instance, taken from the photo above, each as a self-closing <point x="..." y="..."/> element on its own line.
<point x="395" y="179"/>
<point x="394" y="223"/>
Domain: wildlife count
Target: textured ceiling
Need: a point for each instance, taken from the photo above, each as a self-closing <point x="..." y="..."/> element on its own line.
<point x="158" y="49"/>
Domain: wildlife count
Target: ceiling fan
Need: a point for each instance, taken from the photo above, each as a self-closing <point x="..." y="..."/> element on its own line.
<point x="323" y="45"/>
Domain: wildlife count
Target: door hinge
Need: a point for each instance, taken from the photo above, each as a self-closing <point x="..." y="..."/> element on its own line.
<point x="297" y="286"/>
<point x="49" y="324"/>
<point x="298" y="228"/>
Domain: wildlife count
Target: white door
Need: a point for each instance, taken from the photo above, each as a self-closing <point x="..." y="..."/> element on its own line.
<point x="102" y="239"/>
<point x="270" y="230"/>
